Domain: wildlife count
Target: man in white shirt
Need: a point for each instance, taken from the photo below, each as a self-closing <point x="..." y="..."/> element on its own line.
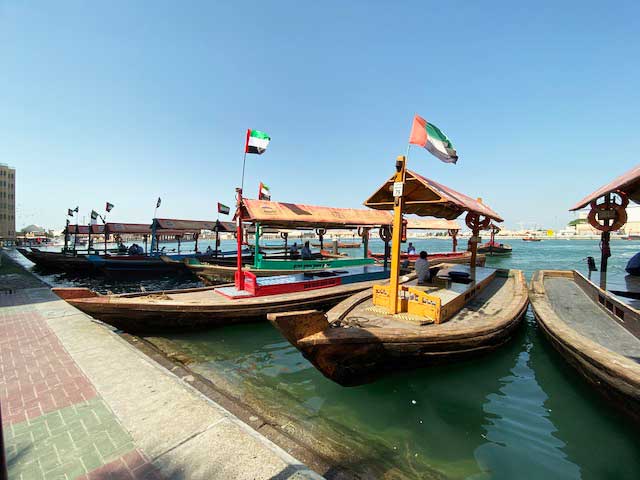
<point x="422" y="268"/>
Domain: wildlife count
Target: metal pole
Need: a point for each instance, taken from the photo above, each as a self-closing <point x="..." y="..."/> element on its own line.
<point x="244" y="159"/>
<point x="239" y="274"/>
<point x="605" y="249"/>
<point x="66" y="237"/>
<point x="396" y="236"/>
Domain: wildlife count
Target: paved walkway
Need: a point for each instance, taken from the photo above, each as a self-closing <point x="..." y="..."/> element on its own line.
<point x="78" y="402"/>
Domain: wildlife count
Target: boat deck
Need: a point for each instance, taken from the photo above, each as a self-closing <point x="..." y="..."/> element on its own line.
<point x="578" y="311"/>
<point x="628" y="284"/>
<point x="501" y="291"/>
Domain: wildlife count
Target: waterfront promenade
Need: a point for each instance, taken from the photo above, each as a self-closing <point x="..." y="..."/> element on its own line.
<point x="79" y="402"/>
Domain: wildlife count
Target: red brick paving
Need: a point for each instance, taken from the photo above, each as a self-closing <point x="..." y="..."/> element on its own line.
<point x="37" y="375"/>
<point x="131" y="466"/>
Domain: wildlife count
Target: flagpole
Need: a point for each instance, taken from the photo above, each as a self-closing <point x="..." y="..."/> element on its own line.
<point x="244" y="160"/>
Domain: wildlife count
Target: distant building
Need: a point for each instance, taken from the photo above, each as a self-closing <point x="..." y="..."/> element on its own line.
<point x="7" y="204"/>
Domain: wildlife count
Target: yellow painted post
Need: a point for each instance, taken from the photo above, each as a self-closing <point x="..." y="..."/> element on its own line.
<point x="398" y="194"/>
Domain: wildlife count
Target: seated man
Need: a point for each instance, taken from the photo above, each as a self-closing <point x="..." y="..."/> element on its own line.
<point x="209" y="250"/>
<point x="306" y="252"/>
<point x="294" y="249"/>
<point x="132" y="249"/>
<point x="422" y="268"/>
<point x="411" y="250"/>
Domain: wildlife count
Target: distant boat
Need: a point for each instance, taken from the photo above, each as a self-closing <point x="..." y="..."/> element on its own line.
<point x="492" y="247"/>
<point x="531" y="239"/>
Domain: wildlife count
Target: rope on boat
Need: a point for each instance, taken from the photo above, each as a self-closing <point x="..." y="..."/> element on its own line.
<point x="350" y="322"/>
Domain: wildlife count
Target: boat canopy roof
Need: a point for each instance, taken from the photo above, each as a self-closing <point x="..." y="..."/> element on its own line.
<point x="296" y="215"/>
<point x="426" y="197"/>
<point x="139" y="228"/>
<point x="187" y="225"/>
<point x="84" y="229"/>
<point x="629" y="183"/>
<point x="432" y="224"/>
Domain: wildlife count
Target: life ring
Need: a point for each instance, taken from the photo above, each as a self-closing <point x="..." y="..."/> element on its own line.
<point x="610" y="205"/>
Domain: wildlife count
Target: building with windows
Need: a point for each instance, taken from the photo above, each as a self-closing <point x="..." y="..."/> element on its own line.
<point x="7" y="204"/>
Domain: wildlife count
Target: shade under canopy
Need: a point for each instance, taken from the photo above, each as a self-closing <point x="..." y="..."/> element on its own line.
<point x="432" y="224"/>
<point x="129" y="228"/>
<point x="629" y="183"/>
<point x="426" y="197"/>
<point x="295" y="215"/>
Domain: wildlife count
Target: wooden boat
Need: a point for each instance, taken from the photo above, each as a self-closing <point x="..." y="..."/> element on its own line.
<point x="440" y="257"/>
<point x="492" y="247"/>
<point x="463" y="311"/>
<point x="531" y="239"/>
<point x="356" y="342"/>
<point x="212" y="274"/>
<point x="596" y="331"/>
<point x="217" y="306"/>
<point x="57" y="261"/>
<point x="340" y="244"/>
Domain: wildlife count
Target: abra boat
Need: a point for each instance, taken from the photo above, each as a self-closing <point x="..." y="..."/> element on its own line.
<point x="277" y="215"/>
<point x="531" y="239"/>
<point x="597" y="332"/>
<point x="224" y="305"/>
<point x="64" y="261"/>
<point x="463" y="311"/>
<point x="492" y="247"/>
<point x="438" y="257"/>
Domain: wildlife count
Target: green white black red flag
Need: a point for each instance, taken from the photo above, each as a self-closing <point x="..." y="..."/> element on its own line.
<point x="428" y="136"/>
<point x="223" y="209"/>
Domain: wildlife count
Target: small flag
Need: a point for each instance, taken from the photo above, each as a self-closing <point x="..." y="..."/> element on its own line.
<point x="69" y="212"/>
<point x="431" y="137"/>
<point x="257" y="142"/>
<point x="263" y="192"/>
<point x="108" y="207"/>
<point x="94" y="215"/>
<point x="158" y="202"/>
<point x="77" y="209"/>
<point x="223" y="209"/>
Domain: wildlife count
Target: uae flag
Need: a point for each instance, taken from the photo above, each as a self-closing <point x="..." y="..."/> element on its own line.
<point x="223" y="209"/>
<point x="158" y="202"/>
<point x="70" y="212"/>
<point x="264" y="193"/>
<point x="108" y="207"/>
<point x="257" y="142"/>
<point x="429" y="136"/>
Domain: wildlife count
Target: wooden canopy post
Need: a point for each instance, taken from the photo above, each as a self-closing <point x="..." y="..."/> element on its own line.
<point x="75" y="239"/>
<point x="363" y="232"/>
<point x="239" y="274"/>
<point x="285" y="236"/>
<point x="66" y="237"/>
<point x="474" y="222"/>
<point x="321" y="232"/>
<point x="256" y="245"/>
<point x="179" y="238"/>
<point x="385" y="236"/>
<point x="145" y="243"/>
<point x="398" y="192"/>
<point x="105" y="231"/>
<point x="197" y="234"/>
<point x="217" y="229"/>
<point x="89" y="239"/>
<point x="454" y="239"/>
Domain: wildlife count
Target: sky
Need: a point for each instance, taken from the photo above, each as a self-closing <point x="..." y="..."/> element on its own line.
<point x="125" y="102"/>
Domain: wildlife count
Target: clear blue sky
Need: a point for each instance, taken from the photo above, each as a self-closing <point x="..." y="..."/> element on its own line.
<point x="127" y="101"/>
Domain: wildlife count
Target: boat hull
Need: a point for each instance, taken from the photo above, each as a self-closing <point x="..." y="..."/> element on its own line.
<point x="137" y="313"/>
<point x="57" y="261"/>
<point x="615" y="377"/>
<point x="355" y="356"/>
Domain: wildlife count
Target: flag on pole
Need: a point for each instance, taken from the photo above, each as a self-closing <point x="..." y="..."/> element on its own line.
<point x="158" y="202"/>
<point x="257" y="142"/>
<point x="223" y="209"/>
<point x="94" y="215"/>
<point x="70" y="212"/>
<point x="77" y="209"/>
<point x="109" y="207"/>
<point x="264" y="193"/>
<point x="428" y="136"/>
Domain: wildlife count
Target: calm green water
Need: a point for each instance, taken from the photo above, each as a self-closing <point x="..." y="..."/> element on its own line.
<point x="517" y="413"/>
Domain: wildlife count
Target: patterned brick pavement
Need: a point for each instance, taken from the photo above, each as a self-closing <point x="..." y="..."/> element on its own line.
<point x="55" y="424"/>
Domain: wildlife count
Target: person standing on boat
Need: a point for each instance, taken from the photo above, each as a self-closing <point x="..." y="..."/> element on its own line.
<point x="293" y="250"/>
<point x="306" y="251"/>
<point x="422" y="268"/>
<point x="411" y="250"/>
